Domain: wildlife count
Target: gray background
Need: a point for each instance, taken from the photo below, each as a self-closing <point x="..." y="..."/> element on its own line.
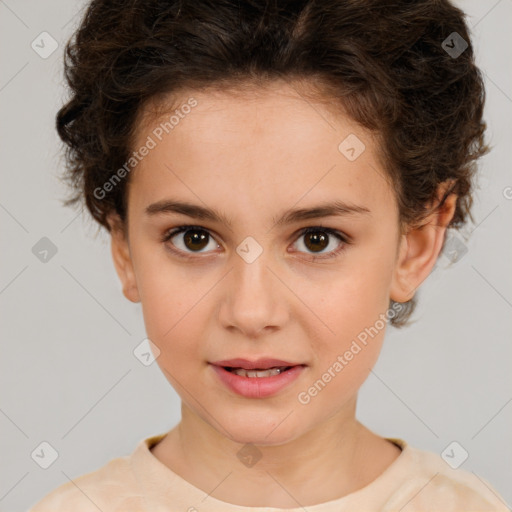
<point x="68" y="373"/>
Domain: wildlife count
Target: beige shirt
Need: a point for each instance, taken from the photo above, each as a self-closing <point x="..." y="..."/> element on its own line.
<point x="416" y="481"/>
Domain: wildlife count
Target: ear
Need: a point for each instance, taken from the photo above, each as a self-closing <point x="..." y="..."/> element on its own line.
<point x="420" y="247"/>
<point x="122" y="258"/>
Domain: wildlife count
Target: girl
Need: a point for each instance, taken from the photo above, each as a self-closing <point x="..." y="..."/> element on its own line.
<point x="277" y="179"/>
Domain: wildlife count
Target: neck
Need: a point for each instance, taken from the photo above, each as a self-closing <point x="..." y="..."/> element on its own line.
<point x="333" y="458"/>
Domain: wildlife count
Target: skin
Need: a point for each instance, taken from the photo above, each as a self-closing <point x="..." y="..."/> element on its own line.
<point x="252" y="157"/>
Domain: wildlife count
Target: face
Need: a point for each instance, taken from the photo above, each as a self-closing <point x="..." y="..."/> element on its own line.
<point x="249" y="282"/>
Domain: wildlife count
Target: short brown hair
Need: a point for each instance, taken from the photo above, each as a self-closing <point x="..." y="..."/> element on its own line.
<point x="384" y="63"/>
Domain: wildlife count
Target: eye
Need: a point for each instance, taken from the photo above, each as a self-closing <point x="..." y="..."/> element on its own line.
<point x="318" y="239"/>
<point x="195" y="239"/>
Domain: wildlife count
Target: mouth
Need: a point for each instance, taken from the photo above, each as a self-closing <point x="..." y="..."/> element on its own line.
<point x="258" y="373"/>
<point x="256" y="368"/>
<point x="257" y="379"/>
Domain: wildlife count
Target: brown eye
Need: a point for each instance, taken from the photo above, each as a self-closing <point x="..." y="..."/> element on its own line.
<point x="190" y="239"/>
<point x="318" y="240"/>
<point x="195" y="240"/>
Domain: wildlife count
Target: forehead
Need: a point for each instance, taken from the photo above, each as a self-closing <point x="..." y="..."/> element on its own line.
<point x="275" y="144"/>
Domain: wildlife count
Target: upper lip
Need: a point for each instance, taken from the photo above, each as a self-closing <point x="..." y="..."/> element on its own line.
<point x="261" y="364"/>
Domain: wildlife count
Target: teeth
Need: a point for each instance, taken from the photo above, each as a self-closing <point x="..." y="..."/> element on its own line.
<point x="258" y="373"/>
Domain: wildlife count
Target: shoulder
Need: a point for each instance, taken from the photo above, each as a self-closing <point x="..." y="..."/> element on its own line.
<point x="111" y="487"/>
<point x="430" y="484"/>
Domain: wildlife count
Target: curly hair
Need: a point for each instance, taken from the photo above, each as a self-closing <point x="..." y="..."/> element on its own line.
<point x="385" y="63"/>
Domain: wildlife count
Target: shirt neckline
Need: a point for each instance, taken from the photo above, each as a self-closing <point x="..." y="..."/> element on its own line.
<point x="160" y="485"/>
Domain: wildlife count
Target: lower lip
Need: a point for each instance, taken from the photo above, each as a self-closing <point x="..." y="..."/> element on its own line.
<point x="257" y="387"/>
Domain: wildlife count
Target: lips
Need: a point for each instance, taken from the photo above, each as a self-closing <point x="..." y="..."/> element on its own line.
<point x="258" y="364"/>
<point x="251" y="383"/>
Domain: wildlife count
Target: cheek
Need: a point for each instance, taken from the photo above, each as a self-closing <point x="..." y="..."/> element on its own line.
<point x="351" y="316"/>
<point x="351" y="299"/>
<point x="171" y="313"/>
<point x="343" y="360"/>
<point x="169" y="297"/>
<point x="175" y="327"/>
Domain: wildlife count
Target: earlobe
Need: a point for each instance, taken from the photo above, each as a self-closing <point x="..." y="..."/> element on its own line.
<point x="420" y="248"/>
<point x="122" y="258"/>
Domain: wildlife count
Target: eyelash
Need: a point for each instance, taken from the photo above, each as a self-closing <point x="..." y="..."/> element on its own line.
<point x="311" y="229"/>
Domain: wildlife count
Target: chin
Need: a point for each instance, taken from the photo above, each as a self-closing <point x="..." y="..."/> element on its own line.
<point x="262" y="429"/>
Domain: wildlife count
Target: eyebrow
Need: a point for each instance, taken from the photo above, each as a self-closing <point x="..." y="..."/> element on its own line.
<point x="333" y="208"/>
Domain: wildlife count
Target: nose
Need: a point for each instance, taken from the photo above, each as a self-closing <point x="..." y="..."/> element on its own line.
<point x="254" y="300"/>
